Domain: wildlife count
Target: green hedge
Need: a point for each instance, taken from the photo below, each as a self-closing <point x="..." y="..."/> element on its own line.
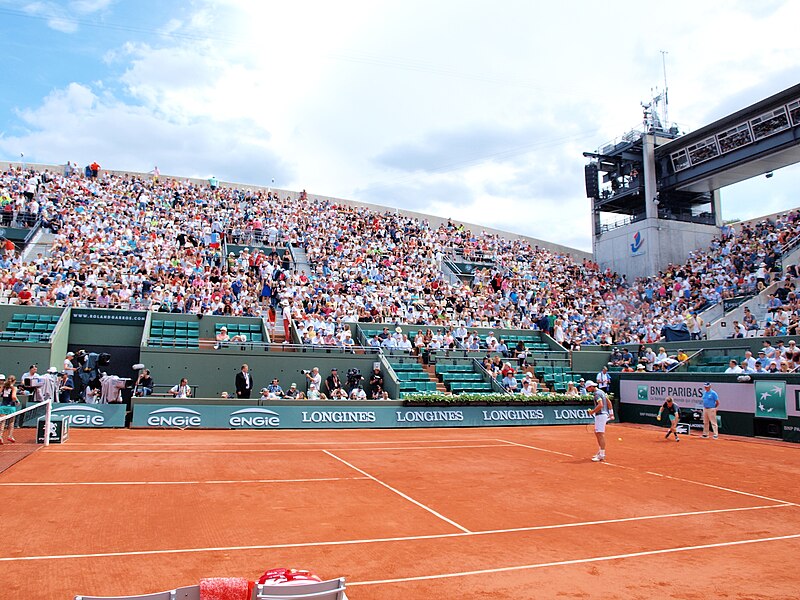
<point x="465" y="399"/>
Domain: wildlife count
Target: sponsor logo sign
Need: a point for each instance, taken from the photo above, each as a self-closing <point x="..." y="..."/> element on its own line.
<point x="174" y="416"/>
<point x="254" y="418"/>
<point x="91" y="415"/>
<point x="637" y="246"/>
<point x="770" y="399"/>
<point x="330" y="417"/>
<point x="108" y="317"/>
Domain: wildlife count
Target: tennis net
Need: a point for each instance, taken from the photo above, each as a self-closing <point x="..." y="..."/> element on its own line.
<point x="20" y="427"/>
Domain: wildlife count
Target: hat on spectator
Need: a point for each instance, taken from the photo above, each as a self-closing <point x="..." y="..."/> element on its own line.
<point x="294" y="385"/>
<point x="264" y="390"/>
<point x="640" y="367"/>
<point x="52" y="370"/>
<point x="2" y="377"/>
<point x="70" y="354"/>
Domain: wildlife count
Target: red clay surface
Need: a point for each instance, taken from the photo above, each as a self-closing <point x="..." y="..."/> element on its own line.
<point x="430" y="513"/>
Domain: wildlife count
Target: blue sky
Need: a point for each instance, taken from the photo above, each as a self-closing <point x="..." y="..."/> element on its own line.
<point x="474" y="110"/>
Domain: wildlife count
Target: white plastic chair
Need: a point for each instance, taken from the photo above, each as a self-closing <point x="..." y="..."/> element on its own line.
<point x="332" y="589"/>
<point x="191" y="592"/>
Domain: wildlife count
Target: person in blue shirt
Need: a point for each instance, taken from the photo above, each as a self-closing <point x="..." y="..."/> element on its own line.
<point x="710" y="404"/>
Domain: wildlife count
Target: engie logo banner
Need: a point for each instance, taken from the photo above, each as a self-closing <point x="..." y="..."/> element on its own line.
<point x="343" y="417"/>
<point x="91" y="415"/>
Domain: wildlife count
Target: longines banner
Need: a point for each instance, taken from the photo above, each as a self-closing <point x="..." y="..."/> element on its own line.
<point x="342" y="417"/>
<point x="771" y="398"/>
<point x="91" y="415"/>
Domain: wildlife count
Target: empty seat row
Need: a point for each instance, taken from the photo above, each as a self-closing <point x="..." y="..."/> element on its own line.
<point x="31" y="318"/>
<point x="455" y="368"/>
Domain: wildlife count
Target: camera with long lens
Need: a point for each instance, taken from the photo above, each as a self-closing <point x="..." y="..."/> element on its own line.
<point x="353" y="378"/>
<point x="305" y="372"/>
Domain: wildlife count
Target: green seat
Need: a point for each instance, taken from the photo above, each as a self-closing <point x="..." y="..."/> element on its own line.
<point x="31" y="318"/>
<point x="156" y="323"/>
<point x="14" y="326"/>
<point x="40" y="327"/>
<point x="193" y="326"/>
<point x="181" y="325"/>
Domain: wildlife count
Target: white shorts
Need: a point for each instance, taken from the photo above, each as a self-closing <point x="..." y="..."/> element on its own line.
<point x="600" y="422"/>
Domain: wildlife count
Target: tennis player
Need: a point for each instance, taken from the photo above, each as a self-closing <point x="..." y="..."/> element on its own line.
<point x="671" y="409"/>
<point x="602" y="412"/>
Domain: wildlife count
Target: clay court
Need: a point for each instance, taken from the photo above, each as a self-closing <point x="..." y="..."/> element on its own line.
<point x="428" y="513"/>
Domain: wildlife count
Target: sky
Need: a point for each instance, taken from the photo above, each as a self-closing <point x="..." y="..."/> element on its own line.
<point x="475" y="110"/>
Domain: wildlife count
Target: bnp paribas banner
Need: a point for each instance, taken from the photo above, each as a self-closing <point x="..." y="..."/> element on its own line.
<point x="771" y="399"/>
<point x="343" y="417"/>
<point x="91" y="415"/>
<point x="763" y="398"/>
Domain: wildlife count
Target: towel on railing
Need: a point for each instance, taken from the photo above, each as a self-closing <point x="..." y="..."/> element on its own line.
<point x="225" y="588"/>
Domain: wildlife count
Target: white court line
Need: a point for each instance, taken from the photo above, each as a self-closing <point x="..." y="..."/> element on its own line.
<point x="576" y="561"/>
<point x="384" y="540"/>
<point x="262" y="450"/>
<point x="398" y="492"/>
<point x="201" y="482"/>
<point x="536" y="448"/>
<point x="718" y="487"/>
<point x="260" y="443"/>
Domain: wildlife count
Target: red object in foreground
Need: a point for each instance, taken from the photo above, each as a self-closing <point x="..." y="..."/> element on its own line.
<point x="225" y="588"/>
<point x="288" y="577"/>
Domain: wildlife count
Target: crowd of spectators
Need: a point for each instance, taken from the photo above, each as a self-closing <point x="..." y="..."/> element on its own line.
<point x="146" y="243"/>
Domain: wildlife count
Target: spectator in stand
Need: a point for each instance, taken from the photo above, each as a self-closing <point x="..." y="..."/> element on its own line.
<point x="510" y="382"/>
<point x="604" y="379"/>
<point x="648" y="359"/>
<point x="222" y="338"/>
<point x="526" y="389"/>
<point x="293" y="393"/>
<point x="733" y="367"/>
<point x="749" y="321"/>
<point x="737" y="330"/>
<point x="749" y="362"/>
<point x="182" y="390"/>
<point x="274" y="388"/>
<point x="144" y="383"/>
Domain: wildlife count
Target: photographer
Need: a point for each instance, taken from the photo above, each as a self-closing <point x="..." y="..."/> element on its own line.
<point x="313" y="377"/>
<point x="332" y="382"/>
<point x="376" y="383"/>
<point x="354" y="379"/>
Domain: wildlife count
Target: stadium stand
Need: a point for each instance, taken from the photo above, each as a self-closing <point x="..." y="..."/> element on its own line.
<point x="127" y="241"/>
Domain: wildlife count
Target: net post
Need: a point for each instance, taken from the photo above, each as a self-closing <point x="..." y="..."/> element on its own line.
<point x="47" y="408"/>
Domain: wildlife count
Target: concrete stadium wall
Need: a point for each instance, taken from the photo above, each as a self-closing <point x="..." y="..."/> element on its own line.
<point x="214" y="372"/>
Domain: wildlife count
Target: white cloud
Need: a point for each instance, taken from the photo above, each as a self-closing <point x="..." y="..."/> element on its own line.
<point x="477" y="111"/>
